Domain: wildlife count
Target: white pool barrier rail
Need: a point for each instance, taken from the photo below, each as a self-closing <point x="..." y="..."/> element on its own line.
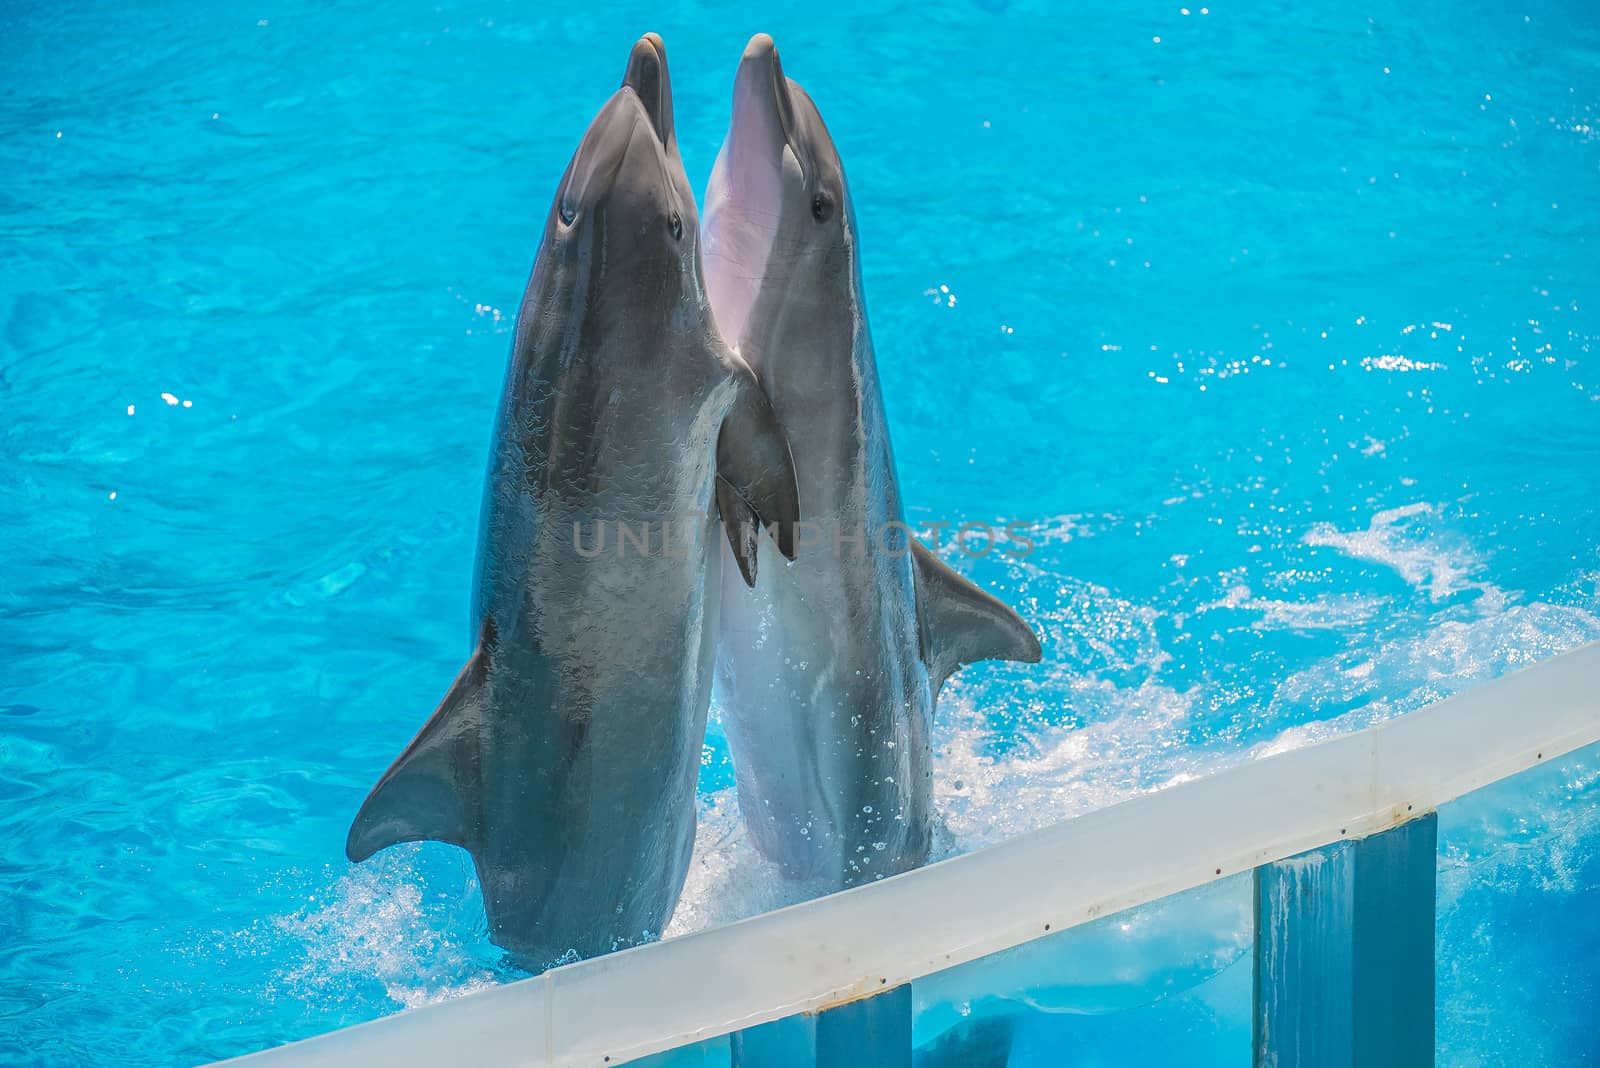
<point x="1344" y="968"/>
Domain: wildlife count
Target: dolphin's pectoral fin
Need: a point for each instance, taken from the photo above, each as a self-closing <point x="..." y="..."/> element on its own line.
<point x="743" y="527"/>
<point x="754" y="463"/>
<point x="432" y="790"/>
<point x="962" y="624"/>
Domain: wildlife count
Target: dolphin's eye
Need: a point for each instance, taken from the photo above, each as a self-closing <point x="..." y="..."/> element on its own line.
<point x="676" y="222"/>
<point x="567" y="212"/>
<point x="821" y="207"/>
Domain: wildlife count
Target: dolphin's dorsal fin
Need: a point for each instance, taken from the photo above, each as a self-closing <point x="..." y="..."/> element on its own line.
<point x="433" y="789"/>
<point x="961" y="624"/>
<point x="755" y="473"/>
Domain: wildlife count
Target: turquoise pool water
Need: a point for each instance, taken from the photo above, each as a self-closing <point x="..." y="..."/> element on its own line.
<point x="1276" y="324"/>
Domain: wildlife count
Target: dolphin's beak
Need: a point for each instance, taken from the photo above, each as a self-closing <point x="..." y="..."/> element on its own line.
<point x="763" y="113"/>
<point x="647" y="77"/>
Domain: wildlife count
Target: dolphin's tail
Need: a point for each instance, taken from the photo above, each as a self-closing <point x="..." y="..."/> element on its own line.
<point x="962" y="624"/>
<point x="432" y="790"/>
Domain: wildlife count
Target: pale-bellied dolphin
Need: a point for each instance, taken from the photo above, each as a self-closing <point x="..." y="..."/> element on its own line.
<point x="564" y="757"/>
<point x="828" y="668"/>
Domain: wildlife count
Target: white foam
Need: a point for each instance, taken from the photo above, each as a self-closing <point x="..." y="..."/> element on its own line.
<point x="408" y="925"/>
<point x="1426" y="564"/>
<point x="987" y="792"/>
<point x="1334" y="612"/>
<point x="728" y="878"/>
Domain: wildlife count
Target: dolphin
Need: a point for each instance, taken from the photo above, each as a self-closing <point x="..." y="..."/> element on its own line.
<point x="565" y="755"/>
<point x="828" y="669"/>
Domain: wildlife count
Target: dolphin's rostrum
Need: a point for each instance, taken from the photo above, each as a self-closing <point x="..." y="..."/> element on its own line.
<point x="564" y="757"/>
<point x="829" y="668"/>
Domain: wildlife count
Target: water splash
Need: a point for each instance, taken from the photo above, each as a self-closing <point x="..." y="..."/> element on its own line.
<point x="405" y="921"/>
<point x="1430" y="564"/>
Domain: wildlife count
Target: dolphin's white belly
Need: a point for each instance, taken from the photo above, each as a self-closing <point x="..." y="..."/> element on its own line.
<point x="828" y="708"/>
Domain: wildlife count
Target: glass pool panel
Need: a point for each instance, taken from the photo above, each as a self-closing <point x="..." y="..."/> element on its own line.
<point x="1518" y="929"/>
<point x="713" y="1053"/>
<point x="1128" y="989"/>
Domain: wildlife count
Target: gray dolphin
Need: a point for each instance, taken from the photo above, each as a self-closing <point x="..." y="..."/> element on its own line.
<point x="829" y="668"/>
<point x="564" y="757"/>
